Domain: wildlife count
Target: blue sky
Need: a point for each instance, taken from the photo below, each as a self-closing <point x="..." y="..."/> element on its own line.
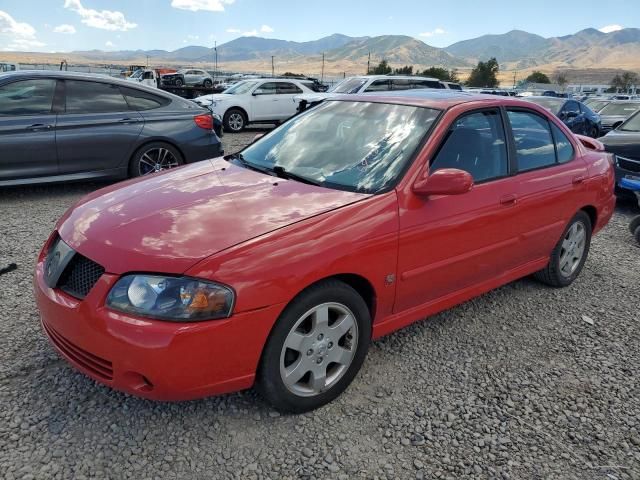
<point x="65" y="25"/>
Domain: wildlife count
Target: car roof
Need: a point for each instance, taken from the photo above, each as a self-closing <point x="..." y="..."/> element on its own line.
<point x="431" y="98"/>
<point x="61" y="75"/>
<point x="391" y="77"/>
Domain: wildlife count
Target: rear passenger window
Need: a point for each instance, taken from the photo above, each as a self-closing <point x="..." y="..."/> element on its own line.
<point x="285" y="88"/>
<point x="139" y="100"/>
<point x="400" y="84"/>
<point x="426" y="84"/>
<point x="534" y="143"/>
<point x="564" y="149"/>
<point x="94" y="97"/>
<point x="476" y="143"/>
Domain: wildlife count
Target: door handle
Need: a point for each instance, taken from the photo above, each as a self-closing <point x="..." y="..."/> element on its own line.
<point x="578" y="179"/>
<point x="508" y="200"/>
<point x="36" y="127"/>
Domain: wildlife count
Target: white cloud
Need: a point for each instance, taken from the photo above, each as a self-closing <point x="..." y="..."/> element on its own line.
<point x="193" y="37"/>
<point x="65" y="28"/>
<point x="433" y="33"/>
<point x="18" y="35"/>
<point x="233" y="30"/>
<point x="103" y="19"/>
<point x="109" y="44"/>
<point x="611" y="28"/>
<point x="196" y="5"/>
<point x="266" y="29"/>
<point x="250" y="33"/>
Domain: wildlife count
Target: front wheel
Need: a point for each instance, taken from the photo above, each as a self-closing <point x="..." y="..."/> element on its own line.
<point x="207" y="83"/>
<point x="570" y="254"/>
<point x="179" y="82"/>
<point x="594" y="132"/>
<point x="316" y="348"/>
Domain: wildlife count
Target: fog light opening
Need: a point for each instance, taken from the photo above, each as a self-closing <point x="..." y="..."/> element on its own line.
<point x="139" y="382"/>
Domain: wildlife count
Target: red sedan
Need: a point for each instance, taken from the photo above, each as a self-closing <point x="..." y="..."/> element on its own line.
<point x="278" y="265"/>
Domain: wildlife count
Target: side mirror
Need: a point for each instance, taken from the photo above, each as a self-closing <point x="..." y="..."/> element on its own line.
<point x="447" y="181"/>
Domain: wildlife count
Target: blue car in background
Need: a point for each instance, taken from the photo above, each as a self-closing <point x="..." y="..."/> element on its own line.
<point x="576" y="115"/>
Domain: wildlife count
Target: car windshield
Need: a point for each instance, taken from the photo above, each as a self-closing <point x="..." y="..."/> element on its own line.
<point x="597" y="105"/>
<point x="351" y="85"/>
<point x="625" y="109"/>
<point x="631" y="125"/>
<point x="355" y="146"/>
<point x="550" y="103"/>
<point x="240" y="88"/>
<point x="136" y="74"/>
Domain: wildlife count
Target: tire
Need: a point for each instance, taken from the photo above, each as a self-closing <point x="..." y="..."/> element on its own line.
<point x="179" y="82"/>
<point x="207" y="83"/>
<point x="637" y="234"/>
<point x="314" y="347"/>
<point x="594" y="132"/>
<point x="234" y="120"/>
<point x="634" y="225"/>
<point x="154" y="157"/>
<point x="561" y="271"/>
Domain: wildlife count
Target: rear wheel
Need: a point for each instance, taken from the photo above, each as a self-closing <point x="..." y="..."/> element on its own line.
<point x="637" y="234"/>
<point x="154" y="157"/>
<point x="207" y="83"/>
<point x="570" y="254"/>
<point x="234" y="120"/>
<point x="316" y="348"/>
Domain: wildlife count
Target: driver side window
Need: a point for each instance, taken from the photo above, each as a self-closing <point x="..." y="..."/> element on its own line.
<point x="475" y="143"/>
<point x="268" y="88"/>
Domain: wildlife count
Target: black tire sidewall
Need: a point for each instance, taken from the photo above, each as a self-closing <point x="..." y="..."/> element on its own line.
<point x="227" y="115"/>
<point x="634" y="225"/>
<point x="555" y="256"/>
<point x="270" y="382"/>
<point x="134" y="164"/>
<point x="207" y="84"/>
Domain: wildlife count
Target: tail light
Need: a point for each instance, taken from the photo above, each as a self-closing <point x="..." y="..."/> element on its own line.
<point x="204" y="121"/>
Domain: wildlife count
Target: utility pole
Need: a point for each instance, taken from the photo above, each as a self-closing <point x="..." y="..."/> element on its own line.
<point x="273" y="70"/>
<point x="147" y="61"/>
<point x="322" y="74"/>
<point x="515" y="73"/>
<point x="215" y="61"/>
<point x="369" y="63"/>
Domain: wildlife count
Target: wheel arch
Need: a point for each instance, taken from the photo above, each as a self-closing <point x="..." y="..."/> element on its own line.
<point x="592" y="212"/>
<point x="237" y="107"/>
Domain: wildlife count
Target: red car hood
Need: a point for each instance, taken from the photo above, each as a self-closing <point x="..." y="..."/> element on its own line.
<point x="170" y="221"/>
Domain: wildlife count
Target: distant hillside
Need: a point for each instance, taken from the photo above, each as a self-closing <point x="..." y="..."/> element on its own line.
<point x="511" y="46"/>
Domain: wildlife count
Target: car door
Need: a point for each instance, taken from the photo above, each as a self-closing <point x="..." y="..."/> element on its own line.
<point x="451" y="243"/>
<point x="97" y="130"/>
<point x="550" y="180"/>
<point x="573" y="117"/>
<point x="264" y="101"/>
<point x="190" y="77"/>
<point x="27" y="129"/>
<point x="286" y="104"/>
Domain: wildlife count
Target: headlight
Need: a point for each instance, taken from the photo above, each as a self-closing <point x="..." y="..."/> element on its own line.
<point x="181" y="299"/>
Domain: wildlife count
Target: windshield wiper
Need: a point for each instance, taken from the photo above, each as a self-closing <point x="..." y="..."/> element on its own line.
<point x="283" y="173"/>
<point x="249" y="165"/>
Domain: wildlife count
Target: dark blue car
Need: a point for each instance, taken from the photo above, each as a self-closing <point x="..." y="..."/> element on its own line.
<point x="60" y="126"/>
<point x="575" y="115"/>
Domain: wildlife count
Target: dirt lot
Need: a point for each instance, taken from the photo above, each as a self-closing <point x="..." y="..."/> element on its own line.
<point x="515" y="384"/>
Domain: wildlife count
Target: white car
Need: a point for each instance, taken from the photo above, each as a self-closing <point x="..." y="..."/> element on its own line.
<point x="266" y="100"/>
<point x="374" y="83"/>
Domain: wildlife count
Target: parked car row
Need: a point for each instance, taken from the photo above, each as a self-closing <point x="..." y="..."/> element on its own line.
<point x="624" y="143"/>
<point x="576" y="115"/>
<point x="59" y="126"/>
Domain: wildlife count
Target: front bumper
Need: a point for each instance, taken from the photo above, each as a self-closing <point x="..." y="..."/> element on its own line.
<point x="625" y="167"/>
<point x="149" y="358"/>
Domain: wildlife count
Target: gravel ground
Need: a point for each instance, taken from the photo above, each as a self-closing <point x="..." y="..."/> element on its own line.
<point x="515" y="384"/>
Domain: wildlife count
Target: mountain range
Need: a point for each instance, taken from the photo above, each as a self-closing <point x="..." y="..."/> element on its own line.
<point x="515" y="50"/>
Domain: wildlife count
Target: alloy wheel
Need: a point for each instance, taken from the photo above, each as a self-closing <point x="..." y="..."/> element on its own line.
<point x="236" y="121"/>
<point x="573" y="247"/>
<point x="156" y="160"/>
<point x="319" y="349"/>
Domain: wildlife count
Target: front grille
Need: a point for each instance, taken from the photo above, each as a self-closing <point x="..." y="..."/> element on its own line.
<point x="98" y="366"/>
<point x="80" y="276"/>
<point x="628" y="164"/>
